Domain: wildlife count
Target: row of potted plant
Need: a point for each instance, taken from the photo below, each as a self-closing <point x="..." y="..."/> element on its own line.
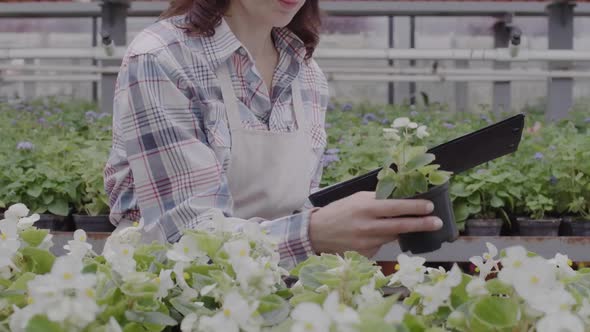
<point x="215" y="279"/>
<point x="53" y="156"/>
<point x="542" y="189"/>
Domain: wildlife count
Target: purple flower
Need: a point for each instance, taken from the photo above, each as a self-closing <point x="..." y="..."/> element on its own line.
<point x="413" y="113"/>
<point x="448" y="125"/>
<point x="91" y="115"/>
<point x="47" y="113"/>
<point x="333" y="151"/>
<point x="381" y="112"/>
<point x="29" y="108"/>
<point x="587" y="120"/>
<point x="42" y="121"/>
<point x="347" y="107"/>
<point x="329" y="159"/>
<point x="328" y="125"/>
<point x="330" y="107"/>
<point x="369" y="117"/>
<point x="13" y="123"/>
<point x="57" y="110"/>
<point x="25" y="145"/>
<point x="385" y="122"/>
<point x="552" y="148"/>
<point x="553" y="180"/>
<point x="539" y="156"/>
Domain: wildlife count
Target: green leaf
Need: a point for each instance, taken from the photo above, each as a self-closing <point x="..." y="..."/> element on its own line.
<point x="155" y="317"/>
<point x="43" y="324"/>
<point x="459" y="190"/>
<point x="33" y="237"/>
<point x="495" y="314"/>
<point x="385" y="187"/>
<point x="419" y="161"/>
<point x="59" y="207"/>
<point x="439" y="177"/>
<point x="461" y="211"/>
<point x="459" y="294"/>
<point x="308" y="296"/>
<point x="37" y="260"/>
<point x="496" y="202"/>
<point x="34" y="191"/>
<point x="274" y="309"/>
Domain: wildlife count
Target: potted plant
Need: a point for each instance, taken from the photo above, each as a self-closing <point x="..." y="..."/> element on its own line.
<point x="92" y="209"/>
<point x="481" y="197"/>
<point x="410" y="173"/>
<point x="570" y="181"/>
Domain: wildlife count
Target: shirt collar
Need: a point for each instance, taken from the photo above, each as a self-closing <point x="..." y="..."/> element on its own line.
<point x="223" y="44"/>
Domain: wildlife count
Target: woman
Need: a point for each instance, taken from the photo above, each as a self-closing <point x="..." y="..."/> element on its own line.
<point x="220" y="107"/>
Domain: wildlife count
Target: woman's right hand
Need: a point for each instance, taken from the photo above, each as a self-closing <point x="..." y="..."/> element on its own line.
<point x="363" y="223"/>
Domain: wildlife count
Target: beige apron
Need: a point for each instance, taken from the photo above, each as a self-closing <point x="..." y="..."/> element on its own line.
<point x="269" y="173"/>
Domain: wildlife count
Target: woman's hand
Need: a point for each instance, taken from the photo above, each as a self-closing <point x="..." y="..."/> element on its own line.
<point x="363" y="223"/>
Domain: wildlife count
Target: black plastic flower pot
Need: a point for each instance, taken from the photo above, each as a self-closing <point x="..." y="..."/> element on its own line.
<point x="540" y="227"/>
<point x="88" y="223"/>
<point x="55" y="223"/>
<point x="423" y="242"/>
<point x="574" y="226"/>
<point x="483" y="227"/>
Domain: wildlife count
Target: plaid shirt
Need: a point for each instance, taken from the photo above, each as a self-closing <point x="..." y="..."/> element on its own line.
<point x="171" y="142"/>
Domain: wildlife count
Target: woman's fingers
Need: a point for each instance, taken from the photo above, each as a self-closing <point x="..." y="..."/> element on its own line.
<point x="399" y="207"/>
<point x="390" y="227"/>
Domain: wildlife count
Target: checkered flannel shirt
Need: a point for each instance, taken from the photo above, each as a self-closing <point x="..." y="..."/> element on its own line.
<point x="171" y="142"/>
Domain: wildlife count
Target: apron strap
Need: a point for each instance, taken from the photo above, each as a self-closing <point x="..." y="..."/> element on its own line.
<point x="232" y="110"/>
<point x="302" y="123"/>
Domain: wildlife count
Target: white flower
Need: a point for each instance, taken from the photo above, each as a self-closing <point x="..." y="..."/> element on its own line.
<point x="412" y="125"/>
<point x="537" y="276"/>
<point x="120" y="256"/>
<point x="562" y="322"/>
<point x="310" y="317"/>
<point x="476" y="286"/>
<point x="187" y="292"/>
<point x="236" y="313"/>
<point x="515" y="260"/>
<point x="27" y="222"/>
<point x="113" y="326"/>
<point x="339" y="312"/>
<point x="454" y="277"/>
<point x="391" y="133"/>
<point x="401" y="122"/>
<point x="411" y="271"/>
<point x="433" y="296"/>
<point x="492" y="252"/>
<point x="78" y="246"/>
<point x="396" y="314"/>
<point x="9" y="243"/>
<point x="67" y="273"/>
<point x="421" y="132"/>
<point x="368" y="295"/>
<point x="188" y="322"/>
<point x="186" y="250"/>
<point x="165" y="283"/>
<point x="564" y="265"/>
<point x="16" y="211"/>
<point x="560" y="301"/>
<point x="484" y="268"/>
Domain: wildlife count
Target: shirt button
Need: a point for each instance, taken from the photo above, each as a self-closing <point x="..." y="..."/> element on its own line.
<point x="242" y="51"/>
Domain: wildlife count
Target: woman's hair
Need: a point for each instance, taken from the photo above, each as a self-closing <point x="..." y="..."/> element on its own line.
<point x="203" y="16"/>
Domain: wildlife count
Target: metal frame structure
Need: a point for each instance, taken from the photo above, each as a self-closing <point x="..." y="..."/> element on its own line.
<point x="560" y="15"/>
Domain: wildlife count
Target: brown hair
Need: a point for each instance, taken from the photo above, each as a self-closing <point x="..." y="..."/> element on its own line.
<point x="202" y="16"/>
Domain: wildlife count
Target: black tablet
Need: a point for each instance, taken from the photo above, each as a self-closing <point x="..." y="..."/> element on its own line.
<point x="456" y="156"/>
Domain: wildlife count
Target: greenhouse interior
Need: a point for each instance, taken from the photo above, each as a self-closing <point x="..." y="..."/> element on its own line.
<point x="295" y="165"/>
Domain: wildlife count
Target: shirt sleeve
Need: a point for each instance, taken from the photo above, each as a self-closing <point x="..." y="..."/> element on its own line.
<point x="178" y="180"/>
